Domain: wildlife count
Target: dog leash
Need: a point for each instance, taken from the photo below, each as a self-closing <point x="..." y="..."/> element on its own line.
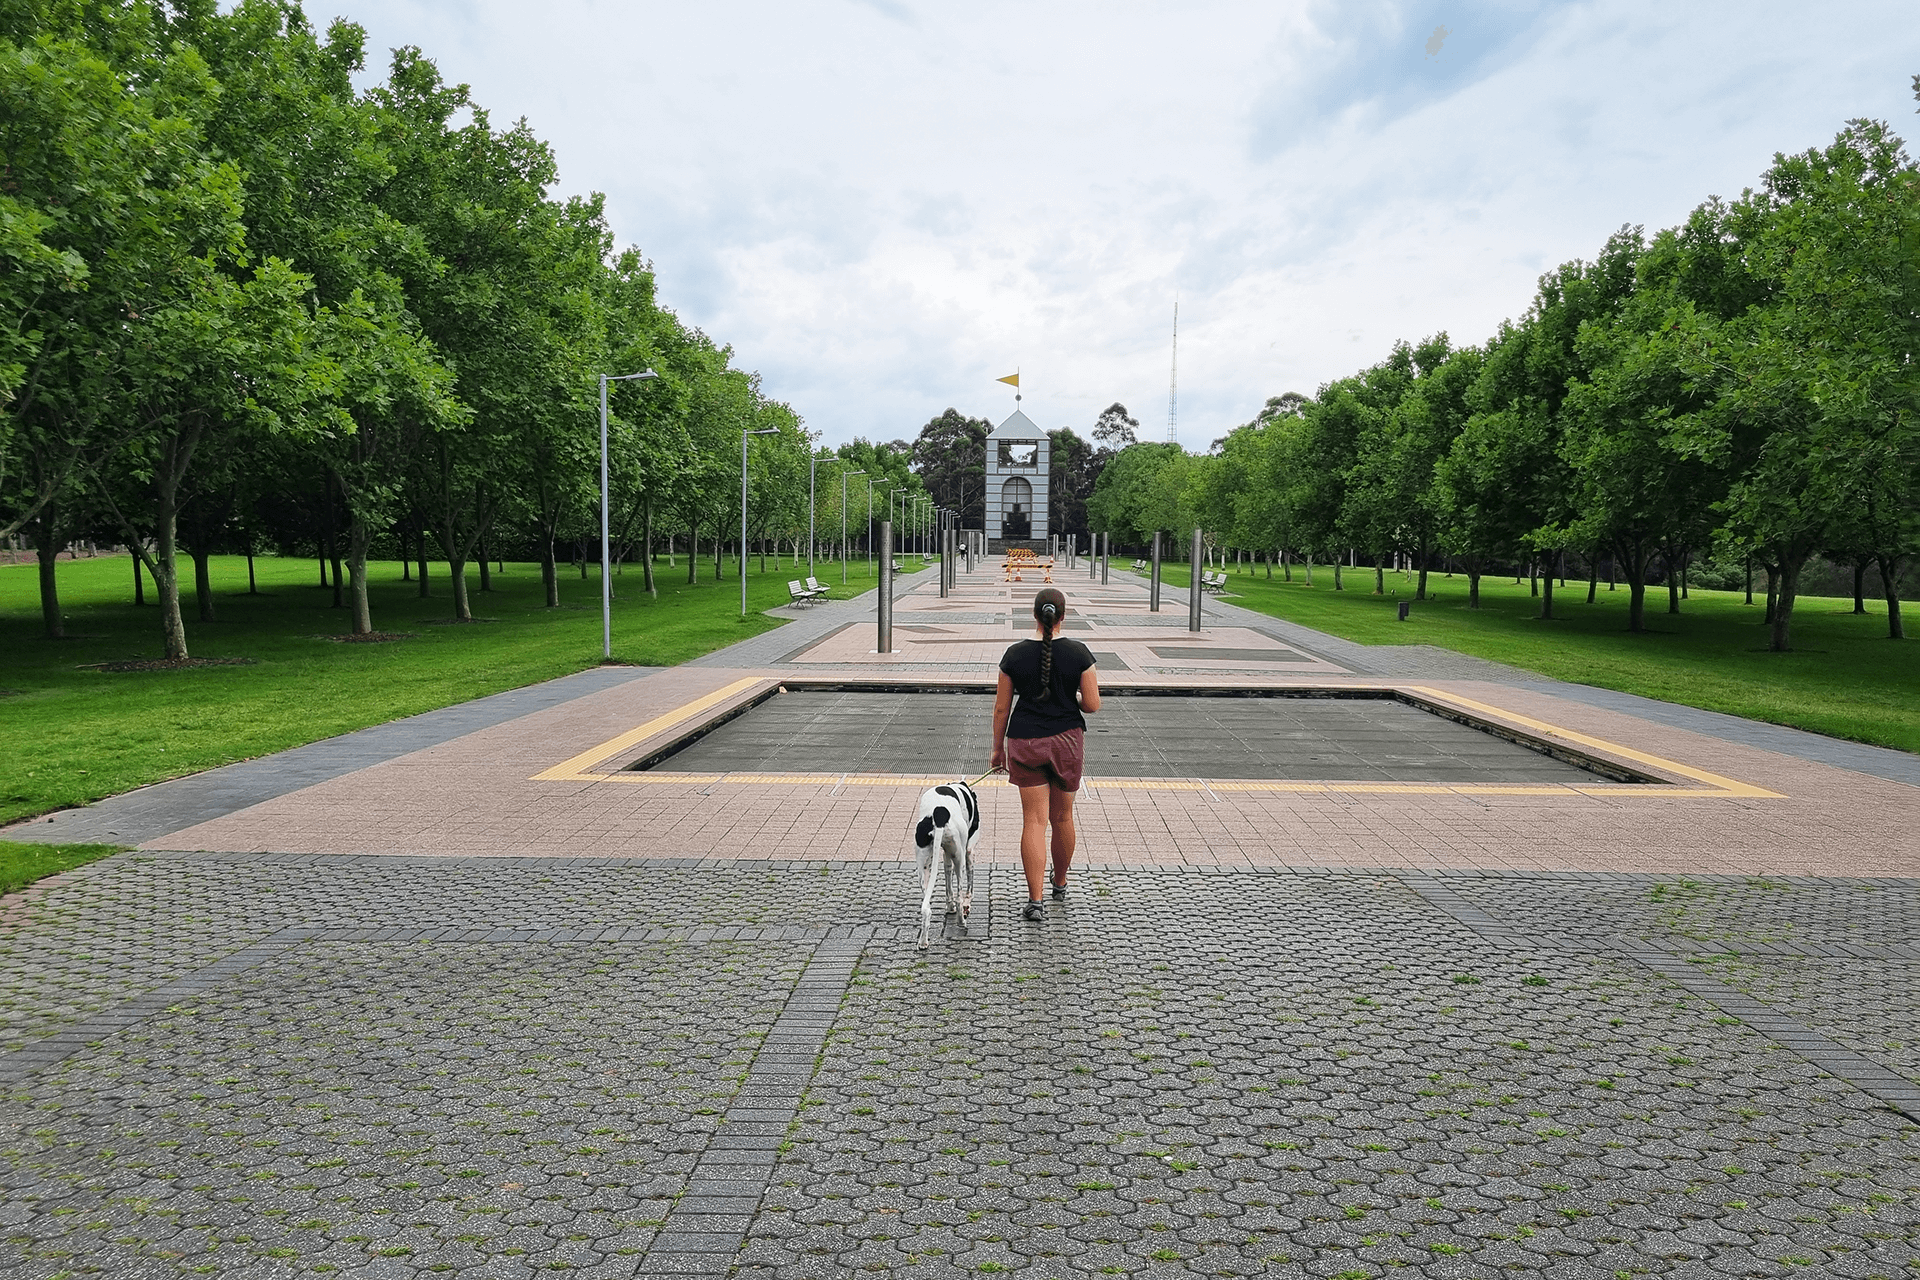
<point x="988" y="774"/>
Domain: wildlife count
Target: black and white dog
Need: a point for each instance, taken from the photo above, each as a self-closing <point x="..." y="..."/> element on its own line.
<point x="944" y="832"/>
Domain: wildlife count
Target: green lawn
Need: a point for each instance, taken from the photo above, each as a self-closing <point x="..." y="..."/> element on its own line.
<point x="1844" y="677"/>
<point x="22" y="864"/>
<point x="70" y="735"/>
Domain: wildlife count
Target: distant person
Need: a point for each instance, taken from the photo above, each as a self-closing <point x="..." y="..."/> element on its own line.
<point x="1041" y="740"/>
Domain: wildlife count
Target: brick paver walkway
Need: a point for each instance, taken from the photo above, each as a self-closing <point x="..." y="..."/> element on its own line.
<point x="498" y="1007"/>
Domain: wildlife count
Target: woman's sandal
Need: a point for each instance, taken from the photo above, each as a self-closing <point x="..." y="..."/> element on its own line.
<point x="1034" y="911"/>
<point x="1059" y="888"/>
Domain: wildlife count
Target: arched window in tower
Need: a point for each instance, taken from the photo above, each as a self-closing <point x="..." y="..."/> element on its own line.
<point x="1016" y="501"/>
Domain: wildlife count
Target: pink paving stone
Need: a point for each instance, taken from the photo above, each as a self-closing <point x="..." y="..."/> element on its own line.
<point x="476" y="796"/>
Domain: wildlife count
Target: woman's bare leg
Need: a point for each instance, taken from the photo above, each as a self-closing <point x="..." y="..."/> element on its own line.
<point x="1060" y="815"/>
<point x="1033" y="839"/>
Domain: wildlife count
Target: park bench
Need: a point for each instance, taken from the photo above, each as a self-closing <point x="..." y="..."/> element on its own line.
<point x="816" y="586"/>
<point x="800" y="595"/>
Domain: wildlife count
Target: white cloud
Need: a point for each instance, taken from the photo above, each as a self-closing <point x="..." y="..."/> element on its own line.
<point x="883" y="205"/>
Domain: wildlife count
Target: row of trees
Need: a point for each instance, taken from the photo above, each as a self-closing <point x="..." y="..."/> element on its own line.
<point x="1743" y="384"/>
<point x="245" y="302"/>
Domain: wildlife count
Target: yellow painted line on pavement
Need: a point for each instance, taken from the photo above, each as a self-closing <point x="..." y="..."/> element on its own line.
<point x="1619" y="789"/>
<point x="574" y="770"/>
<point x="1724" y="786"/>
<point x="1718" y="787"/>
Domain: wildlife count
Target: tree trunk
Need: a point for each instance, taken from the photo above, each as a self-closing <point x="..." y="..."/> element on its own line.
<point x="1773" y="590"/>
<point x="1633" y="558"/>
<point x="252" y="589"/>
<point x="1286" y="566"/>
<point x="646" y="546"/>
<point x="165" y="564"/>
<point x="549" y="573"/>
<point x="1473" y="583"/>
<point x="406" y="556"/>
<point x="166" y="581"/>
<point x="320" y="553"/>
<point x="1860" y="585"/>
<point x="457" y="574"/>
<point x="139" y="588"/>
<point x="1593" y="578"/>
<point x="1673" y="582"/>
<point x="1782" y="638"/>
<point x="359" y="536"/>
<point x="693" y="554"/>
<point x="719" y="557"/>
<point x="1309" y="568"/>
<point x="1890" y="583"/>
<point x="1533" y="575"/>
<point x="1749" y="574"/>
<point x="486" y="568"/>
<point x="45" y="530"/>
<point x="1337" y="584"/>
<point x="203" y="582"/>
<point x="1420" y="591"/>
<point x="1546" y="595"/>
<point x="422" y="547"/>
<point x="1380" y="574"/>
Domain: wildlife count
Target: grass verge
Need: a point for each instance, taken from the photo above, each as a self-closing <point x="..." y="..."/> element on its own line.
<point x="1844" y="678"/>
<point x="71" y="733"/>
<point x="22" y="864"/>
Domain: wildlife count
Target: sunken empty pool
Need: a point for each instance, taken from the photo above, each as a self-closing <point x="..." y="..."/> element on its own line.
<point x="1380" y="738"/>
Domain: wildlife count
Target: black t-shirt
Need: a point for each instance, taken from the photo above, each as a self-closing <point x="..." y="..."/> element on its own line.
<point x="1035" y="716"/>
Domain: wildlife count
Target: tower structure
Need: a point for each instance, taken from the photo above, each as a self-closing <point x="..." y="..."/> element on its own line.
<point x="1173" y="381"/>
<point x="1019" y="460"/>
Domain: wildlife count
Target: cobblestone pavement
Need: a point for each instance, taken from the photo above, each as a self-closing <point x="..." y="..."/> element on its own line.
<point x="277" y="1066"/>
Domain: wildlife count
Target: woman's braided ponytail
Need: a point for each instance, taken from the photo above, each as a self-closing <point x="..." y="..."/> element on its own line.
<point x="1048" y="608"/>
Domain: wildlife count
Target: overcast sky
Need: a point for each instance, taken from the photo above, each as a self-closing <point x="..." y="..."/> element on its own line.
<point x="884" y="205"/>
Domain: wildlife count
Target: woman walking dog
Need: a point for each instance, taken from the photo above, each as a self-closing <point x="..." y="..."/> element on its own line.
<point x="1041" y="740"/>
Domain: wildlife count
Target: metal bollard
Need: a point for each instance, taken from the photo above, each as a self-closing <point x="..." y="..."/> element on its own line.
<point x="1153" y="581"/>
<point x="886" y="588"/>
<point x="1106" y="550"/>
<point x="1193" y="589"/>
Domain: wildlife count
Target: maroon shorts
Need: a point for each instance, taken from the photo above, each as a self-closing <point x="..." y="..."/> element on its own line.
<point x="1041" y="762"/>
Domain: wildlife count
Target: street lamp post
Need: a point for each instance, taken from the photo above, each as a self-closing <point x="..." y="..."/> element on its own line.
<point x="844" y="475"/>
<point x="606" y="555"/>
<point x="869" y="536"/>
<point x="764" y="431"/>
<point x="813" y="467"/>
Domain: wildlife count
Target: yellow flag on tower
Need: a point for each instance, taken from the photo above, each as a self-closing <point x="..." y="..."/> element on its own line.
<point x="1012" y="379"/>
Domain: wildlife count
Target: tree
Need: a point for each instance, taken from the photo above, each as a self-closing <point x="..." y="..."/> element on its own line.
<point x="1814" y="419"/>
<point x="950" y="454"/>
<point x="1115" y="428"/>
<point x="1073" y="468"/>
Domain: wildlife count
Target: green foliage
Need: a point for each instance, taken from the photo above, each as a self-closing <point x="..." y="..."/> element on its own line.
<point x="232" y="277"/>
<point x="1744" y="383"/>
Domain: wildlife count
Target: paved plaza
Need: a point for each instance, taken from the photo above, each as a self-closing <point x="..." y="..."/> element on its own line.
<point x="1402" y="964"/>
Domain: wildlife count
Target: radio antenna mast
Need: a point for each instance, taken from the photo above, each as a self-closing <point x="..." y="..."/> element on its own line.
<point x="1173" y="380"/>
